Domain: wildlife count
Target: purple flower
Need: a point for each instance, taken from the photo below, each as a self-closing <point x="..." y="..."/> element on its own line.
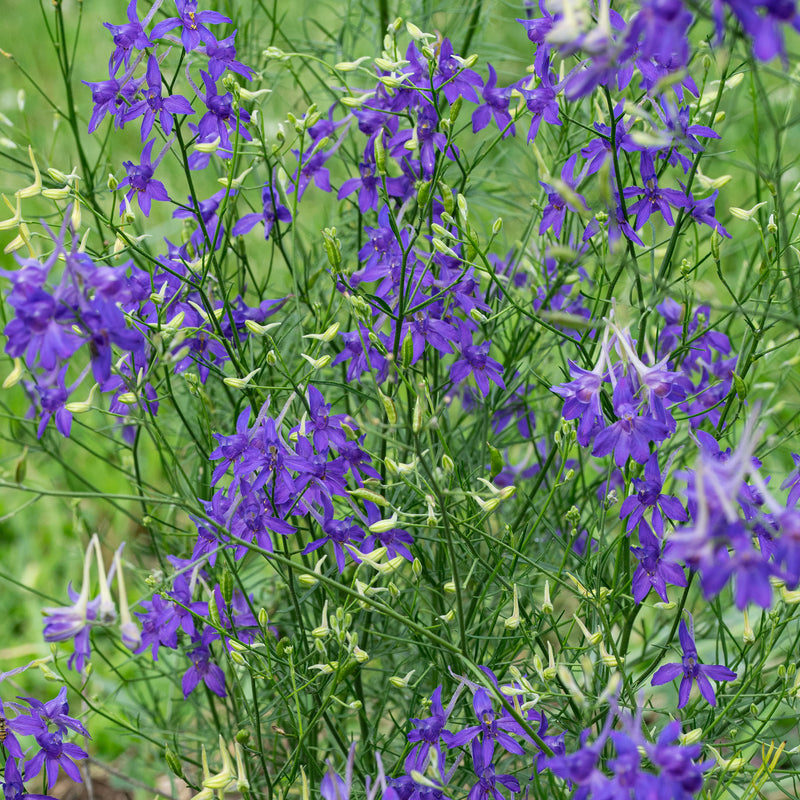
<point x="581" y="396"/>
<point x="475" y="360"/>
<point x="655" y="569"/>
<point x="648" y="496"/>
<point x="53" y="712"/>
<point x="192" y="23"/>
<point x="690" y="670"/>
<point x="491" y="728"/>
<point x="495" y="104"/>
<point x="222" y="55"/>
<point x="140" y="178"/>
<point x="654" y="198"/>
<point x="272" y="212"/>
<point x="427" y="732"/>
<point x="55" y="754"/>
<point x="13" y="787"/>
<point x="111" y="96"/>
<point x="203" y="669"/>
<point x="128" y="37"/>
<point x="220" y="117"/>
<point x="486" y="787"/>
<point x="160" y="625"/>
<point x="631" y="434"/>
<point x="542" y="102"/>
<point x="339" y="533"/>
<point x="154" y="104"/>
<point x="562" y="196"/>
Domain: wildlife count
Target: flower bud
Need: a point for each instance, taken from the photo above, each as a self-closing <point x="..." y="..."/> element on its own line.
<point x="423" y="194"/>
<point x="455" y="109"/>
<point x="512" y="622"/>
<point x="317" y="363"/>
<point x="366" y="494"/>
<point x="14" y="377"/>
<point x="173" y="762"/>
<point x="401" y="683"/>
<point x="380" y="154"/>
<point x="547" y="606"/>
<point x="389" y="407"/>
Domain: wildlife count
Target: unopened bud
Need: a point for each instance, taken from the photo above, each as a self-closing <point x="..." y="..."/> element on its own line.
<point x="401" y="683"/>
<point x="14" y="377"/>
<point x="389" y="407"/>
<point x="173" y="762"/>
<point x="380" y="154"/>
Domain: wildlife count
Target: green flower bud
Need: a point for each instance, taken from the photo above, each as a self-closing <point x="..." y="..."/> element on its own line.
<point x="447" y="197"/>
<point x="380" y="155"/>
<point x="213" y="612"/>
<point x="423" y="195"/>
<point x="496" y="462"/>
<point x="740" y="386"/>
<point x="284" y="647"/>
<point x="455" y="109"/>
<point x="173" y="762"/>
<point x="226" y="585"/>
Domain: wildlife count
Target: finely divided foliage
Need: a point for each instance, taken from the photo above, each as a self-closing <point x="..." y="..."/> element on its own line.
<point x="424" y="504"/>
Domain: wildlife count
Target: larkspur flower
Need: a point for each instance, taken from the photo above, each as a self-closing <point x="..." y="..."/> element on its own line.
<point x="154" y="106"/>
<point x="13" y="786"/>
<point x="128" y="37"/>
<point x="55" y="754"/>
<point x="690" y="670"/>
<point x="140" y="179"/>
<point x="192" y="23"/>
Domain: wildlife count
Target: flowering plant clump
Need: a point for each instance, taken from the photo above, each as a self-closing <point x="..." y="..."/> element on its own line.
<point x="425" y="421"/>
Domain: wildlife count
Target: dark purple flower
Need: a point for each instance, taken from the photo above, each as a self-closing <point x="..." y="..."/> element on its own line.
<point x="653" y="197"/>
<point x="55" y="754"/>
<point x="495" y="104"/>
<point x="13" y="787"/>
<point x="153" y="103"/>
<point x="631" y="434"/>
<point x="221" y="115"/>
<point x="486" y="787"/>
<point x="648" y="496"/>
<point x="339" y="532"/>
<point x="475" y="360"/>
<point x="272" y="212"/>
<point x="128" y="37"/>
<point x="53" y="712"/>
<point x="655" y="569"/>
<point x="192" y="23"/>
<point x="562" y="196"/>
<point x="222" y="55"/>
<point x="111" y="96"/>
<point x="492" y="728"/>
<point x="690" y="670"/>
<point x="203" y="669"/>
<point x="140" y="178"/>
